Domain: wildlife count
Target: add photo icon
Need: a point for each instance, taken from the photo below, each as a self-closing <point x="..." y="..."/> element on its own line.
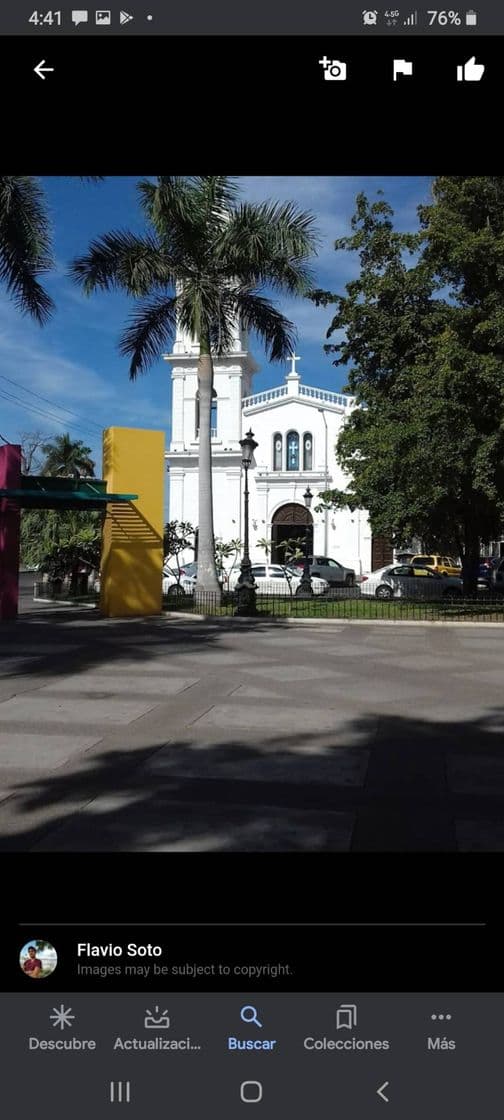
<point x="38" y="959"/>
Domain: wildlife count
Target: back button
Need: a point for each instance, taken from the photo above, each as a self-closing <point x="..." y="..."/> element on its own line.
<point x="42" y="70"/>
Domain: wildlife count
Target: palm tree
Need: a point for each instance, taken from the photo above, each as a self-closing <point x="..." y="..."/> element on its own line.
<point x="26" y="243"/>
<point x="67" y="457"/>
<point x="204" y="262"/>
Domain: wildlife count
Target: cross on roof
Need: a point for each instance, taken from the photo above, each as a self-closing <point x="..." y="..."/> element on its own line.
<point x="294" y="359"/>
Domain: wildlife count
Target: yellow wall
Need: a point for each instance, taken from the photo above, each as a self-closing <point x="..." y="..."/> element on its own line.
<point x="132" y="550"/>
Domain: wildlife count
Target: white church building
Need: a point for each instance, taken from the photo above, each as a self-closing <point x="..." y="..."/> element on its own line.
<point x="296" y="427"/>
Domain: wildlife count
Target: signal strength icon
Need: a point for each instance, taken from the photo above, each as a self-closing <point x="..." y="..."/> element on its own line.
<point x="124" y="17"/>
<point x="412" y="20"/>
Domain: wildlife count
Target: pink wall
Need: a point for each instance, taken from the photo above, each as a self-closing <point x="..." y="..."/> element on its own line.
<point x="10" y="477"/>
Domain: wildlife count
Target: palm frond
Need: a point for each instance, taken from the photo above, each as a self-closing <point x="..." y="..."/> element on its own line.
<point x="176" y="211"/>
<point x="151" y="327"/>
<point x="123" y="260"/>
<point x="25" y="244"/>
<point x="64" y="455"/>
<point x="218" y="195"/>
<point x="270" y="243"/>
<point x="170" y="198"/>
<point x="258" y="314"/>
<point x="282" y="223"/>
<point x="206" y="310"/>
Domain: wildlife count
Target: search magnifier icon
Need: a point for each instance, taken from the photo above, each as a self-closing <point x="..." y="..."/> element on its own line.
<point x="249" y="1015"/>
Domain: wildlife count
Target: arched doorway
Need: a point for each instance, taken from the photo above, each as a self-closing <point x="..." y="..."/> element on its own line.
<point x="291" y="522"/>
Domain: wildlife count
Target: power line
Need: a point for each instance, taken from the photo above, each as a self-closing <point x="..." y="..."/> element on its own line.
<point x="47" y="415"/>
<point x="53" y="404"/>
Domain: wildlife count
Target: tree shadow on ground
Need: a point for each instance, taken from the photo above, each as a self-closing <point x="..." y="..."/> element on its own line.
<point x="401" y="784"/>
<point x="89" y="640"/>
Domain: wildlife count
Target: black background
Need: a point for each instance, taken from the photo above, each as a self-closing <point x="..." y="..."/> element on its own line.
<point x="444" y="895"/>
<point x="258" y="106"/>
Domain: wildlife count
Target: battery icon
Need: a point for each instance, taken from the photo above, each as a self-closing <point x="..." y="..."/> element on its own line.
<point x="471" y="18"/>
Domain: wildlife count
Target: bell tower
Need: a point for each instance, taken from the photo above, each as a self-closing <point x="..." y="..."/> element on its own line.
<point x="233" y="373"/>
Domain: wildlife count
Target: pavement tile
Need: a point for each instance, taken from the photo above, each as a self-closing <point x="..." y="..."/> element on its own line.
<point x="338" y="766"/>
<point x="100" y="686"/>
<point x="247" y="715"/>
<point x="204" y="831"/>
<point x="289" y="672"/>
<point x="363" y="738"/>
<point x="475" y="773"/>
<point x="40" y="750"/>
<point x="38" y="707"/>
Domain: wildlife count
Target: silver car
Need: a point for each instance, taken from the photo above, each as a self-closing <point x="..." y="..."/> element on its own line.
<point x="408" y="581"/>
<point x="334" y="573"/>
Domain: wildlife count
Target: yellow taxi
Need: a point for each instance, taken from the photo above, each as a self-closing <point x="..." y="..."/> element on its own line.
<point x="445" y="565"/>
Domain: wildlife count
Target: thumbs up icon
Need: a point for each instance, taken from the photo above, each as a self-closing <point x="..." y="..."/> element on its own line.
<point x="472" y="71"/>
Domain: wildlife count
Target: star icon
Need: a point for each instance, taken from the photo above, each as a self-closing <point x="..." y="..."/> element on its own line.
<point x="62" y="1017"/>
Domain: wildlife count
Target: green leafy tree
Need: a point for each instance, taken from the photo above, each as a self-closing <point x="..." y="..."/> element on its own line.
<point x="74" y="557"/>
<point x="223" y="550"/>
<point x="61" y="542"/>
<point x="67" y="457"/>
<point x="292" y="548"/>
<point x="266" y="546"/>
<point x="178" y="536"/>
<point x="204" y="261"/>
<point x="425" y="451"/>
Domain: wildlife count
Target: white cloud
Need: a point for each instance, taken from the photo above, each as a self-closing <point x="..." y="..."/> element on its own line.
<point x="311" y="322"/>
<point x="28" y="357"/>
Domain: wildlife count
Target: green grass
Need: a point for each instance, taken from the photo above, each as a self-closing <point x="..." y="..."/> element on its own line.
<point x="393" y="610"/>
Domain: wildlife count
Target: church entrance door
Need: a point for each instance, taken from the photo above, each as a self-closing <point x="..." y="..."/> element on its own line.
<point x="292" y="522"/>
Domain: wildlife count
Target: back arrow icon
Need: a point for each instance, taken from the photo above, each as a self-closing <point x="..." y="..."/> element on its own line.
<point x="381" y="1093"/>
<point x="41" y="69"/>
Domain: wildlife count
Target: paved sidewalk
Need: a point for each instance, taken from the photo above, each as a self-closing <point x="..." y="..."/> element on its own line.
<point x="175" y="735"/>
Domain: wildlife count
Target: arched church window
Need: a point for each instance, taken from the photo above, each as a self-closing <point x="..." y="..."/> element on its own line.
<point x="213" y="414"/>
<point x="307" y="451"/>
<point x="292" y="451"/>
<point x="277" y="451"/>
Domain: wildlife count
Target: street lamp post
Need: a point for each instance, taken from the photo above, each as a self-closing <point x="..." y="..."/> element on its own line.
<point x="246" y="586"/>
<point x="305" y="587"/>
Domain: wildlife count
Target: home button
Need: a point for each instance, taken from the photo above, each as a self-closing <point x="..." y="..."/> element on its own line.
<point x="251" y="1092"/>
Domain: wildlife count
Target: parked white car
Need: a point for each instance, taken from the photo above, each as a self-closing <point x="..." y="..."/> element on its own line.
<point x="189" y="576"/>
<point x="406" y="581"/>
<point x="272" y="579"/>
<point x="171" y="583"/>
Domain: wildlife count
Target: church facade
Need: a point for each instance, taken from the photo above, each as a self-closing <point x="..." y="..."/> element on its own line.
<point x="296" y="427"/>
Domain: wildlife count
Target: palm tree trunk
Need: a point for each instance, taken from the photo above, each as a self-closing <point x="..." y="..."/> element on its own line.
<point x="207" y="582"/>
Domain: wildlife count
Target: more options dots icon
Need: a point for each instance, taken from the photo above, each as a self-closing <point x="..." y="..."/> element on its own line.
<point x="251" y="1092"/>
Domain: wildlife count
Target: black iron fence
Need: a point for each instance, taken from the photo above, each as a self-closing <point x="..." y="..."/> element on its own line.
<point x="348" y="604"/>
<point x="62" y="591"/>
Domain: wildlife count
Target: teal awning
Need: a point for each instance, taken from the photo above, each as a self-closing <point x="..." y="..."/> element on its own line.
<point x="43" y="492"/>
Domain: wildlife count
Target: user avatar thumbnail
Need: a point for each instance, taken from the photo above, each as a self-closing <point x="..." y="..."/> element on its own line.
<point x="38" y="959"/>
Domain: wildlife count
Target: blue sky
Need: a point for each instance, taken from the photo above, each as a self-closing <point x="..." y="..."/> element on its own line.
<point x="74" y="362"/>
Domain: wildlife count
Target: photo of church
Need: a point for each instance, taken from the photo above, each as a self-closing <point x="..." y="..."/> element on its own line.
<point x="296" y="426"/>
